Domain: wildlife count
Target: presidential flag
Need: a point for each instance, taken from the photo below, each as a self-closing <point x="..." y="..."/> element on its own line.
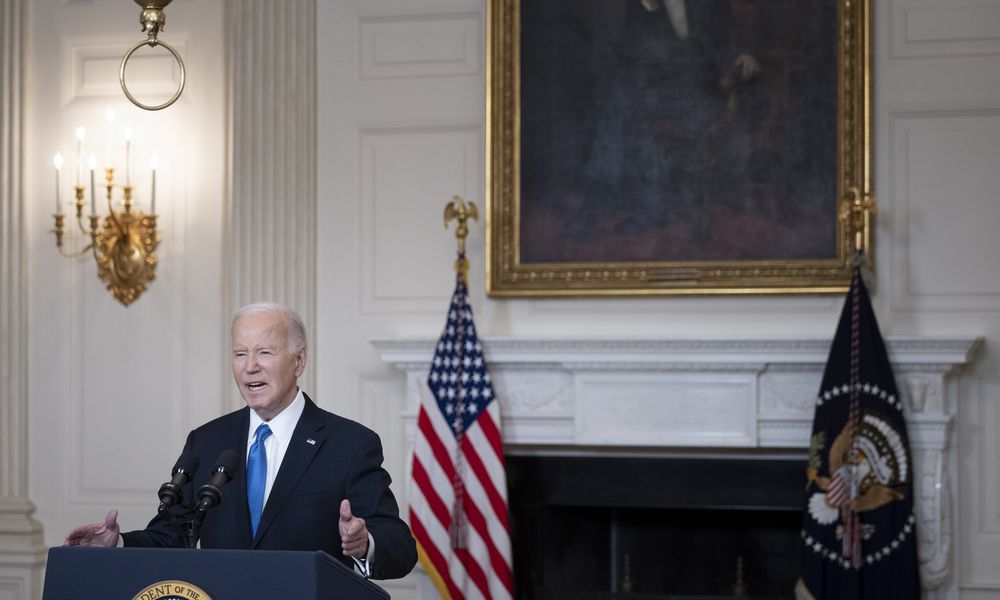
<point x="859" y="538"/>
<point x="458" y="491"/>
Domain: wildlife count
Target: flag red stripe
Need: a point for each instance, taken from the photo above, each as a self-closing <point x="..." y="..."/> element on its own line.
<point x="492" y="433"/>
<point x="431" y="498"/>
<point x="474" y="462"/>
<point x="437" y="559"/>
<point x="440" y="452"/>
<point x="474" y="571"/>
<point x="500" y="566"/>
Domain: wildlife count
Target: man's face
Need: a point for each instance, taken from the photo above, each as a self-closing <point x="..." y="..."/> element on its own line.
<point x="265" y="369"/>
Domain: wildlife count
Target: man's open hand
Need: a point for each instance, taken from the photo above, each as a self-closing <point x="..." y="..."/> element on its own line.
<point x="96" y="534"/>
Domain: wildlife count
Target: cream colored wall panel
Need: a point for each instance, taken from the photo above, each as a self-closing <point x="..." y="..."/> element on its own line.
<point x="93" y="67"/>
<point x="666" y="410"/>
<point x="944" y="183"/>
<point x="944" y="29"/>
<point x="12" y="589"/>
<point x="980" y="593"/>
<point x="790" y="394"/>
<point x="114" y="390"/>
<point x="380" y="400"/>
<point x="407" y="176"/>
<point x="688" y="317"/>
<point x="120" y="351"/>
<point x="979" y="499"/>
<point x="989" y="457"/>
<point x="380" y="404"/>
<point x="421" y="45"/>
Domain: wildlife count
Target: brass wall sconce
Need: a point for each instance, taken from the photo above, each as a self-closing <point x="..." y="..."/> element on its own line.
<point x="124" y="244"/>
<point x="153" y="18"/>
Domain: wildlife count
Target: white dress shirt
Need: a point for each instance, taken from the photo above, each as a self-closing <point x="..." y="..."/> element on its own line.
<point x="282" y="426"/>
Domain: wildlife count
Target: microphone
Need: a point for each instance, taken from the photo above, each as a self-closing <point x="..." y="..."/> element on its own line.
<point x="210" y="494"/>
<point x="170" y="492"/>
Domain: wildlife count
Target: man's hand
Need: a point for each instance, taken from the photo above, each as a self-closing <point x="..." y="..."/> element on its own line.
<point x="353" y="532"/>
<point x="746" y="66"/>
<point x="97" y="534"/>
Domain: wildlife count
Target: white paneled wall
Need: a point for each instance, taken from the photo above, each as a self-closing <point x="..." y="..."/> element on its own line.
<point x="401" y="126"/>
<point x="21" y="549"/>
<point x="400" y="93"/>
<point x="114" y="390"/>
<point x="401" y="130"/>
<point x="937" y="160"/>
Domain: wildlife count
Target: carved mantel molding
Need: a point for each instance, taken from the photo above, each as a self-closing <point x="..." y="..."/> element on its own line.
<point x="661" y="395"/>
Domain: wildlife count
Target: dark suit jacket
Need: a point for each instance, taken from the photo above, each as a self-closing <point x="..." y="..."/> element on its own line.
<point x="329" y="458"/>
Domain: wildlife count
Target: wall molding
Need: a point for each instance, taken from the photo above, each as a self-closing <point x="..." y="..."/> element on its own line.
<point x="428" y="147"/>
<point x="269" y="229"/>
<point x="421" y="45"/>
<point x="22" y="550"/>
<point x="934" y="121"/>
<point x="942" y="29"/>
<point x="90" y="70"/>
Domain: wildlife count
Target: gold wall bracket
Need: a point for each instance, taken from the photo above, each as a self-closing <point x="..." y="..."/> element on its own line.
<point x="856" y="212"/>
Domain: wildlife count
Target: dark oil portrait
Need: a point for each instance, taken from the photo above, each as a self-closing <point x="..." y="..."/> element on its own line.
<point x="678" y="130"/>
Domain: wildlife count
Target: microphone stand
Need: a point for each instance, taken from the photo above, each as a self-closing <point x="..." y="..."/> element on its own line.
<point x="192" y="528"/>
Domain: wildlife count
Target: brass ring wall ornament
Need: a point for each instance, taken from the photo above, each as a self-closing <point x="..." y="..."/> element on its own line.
<point x="153" y="18"/>
<point x="121" y="75"/>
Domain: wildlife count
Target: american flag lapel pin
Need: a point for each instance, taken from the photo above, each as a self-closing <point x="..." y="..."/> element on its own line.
<point x="311" y="441"/>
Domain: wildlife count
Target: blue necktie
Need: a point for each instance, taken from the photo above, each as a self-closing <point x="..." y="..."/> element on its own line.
<point x="257" y="476"/>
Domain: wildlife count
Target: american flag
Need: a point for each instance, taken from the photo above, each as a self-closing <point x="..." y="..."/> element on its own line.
<point x="458" y="491"/>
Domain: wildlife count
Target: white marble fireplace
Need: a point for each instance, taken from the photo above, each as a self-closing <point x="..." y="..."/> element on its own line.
<point x="719" y="396"/>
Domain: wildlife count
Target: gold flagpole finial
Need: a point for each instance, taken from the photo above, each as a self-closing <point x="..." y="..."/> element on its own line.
<point x="461" y="211"/>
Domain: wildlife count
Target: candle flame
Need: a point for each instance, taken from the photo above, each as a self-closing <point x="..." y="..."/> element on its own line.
<point x="92" y="161"/>
<point x="80" y="133"/>
<point x="57" y="160"/>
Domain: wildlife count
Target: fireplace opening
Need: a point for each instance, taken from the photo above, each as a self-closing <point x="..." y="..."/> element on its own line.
<point x="600" y="527"/>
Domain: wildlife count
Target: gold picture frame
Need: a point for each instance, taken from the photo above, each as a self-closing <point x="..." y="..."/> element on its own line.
<point x="576" y="245"/>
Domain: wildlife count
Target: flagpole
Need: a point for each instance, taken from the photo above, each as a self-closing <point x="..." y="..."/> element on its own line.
<point x="459" y="210"/>
<point x="852" y="540"/>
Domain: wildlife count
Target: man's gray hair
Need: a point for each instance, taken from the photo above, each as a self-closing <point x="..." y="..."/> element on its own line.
<point x="296" y="328"/>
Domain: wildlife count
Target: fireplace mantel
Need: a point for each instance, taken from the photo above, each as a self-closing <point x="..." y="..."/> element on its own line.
<point x="661" y="395"/>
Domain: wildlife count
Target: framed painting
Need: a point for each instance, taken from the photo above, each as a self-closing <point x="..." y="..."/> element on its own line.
<point x="644" y="147"/>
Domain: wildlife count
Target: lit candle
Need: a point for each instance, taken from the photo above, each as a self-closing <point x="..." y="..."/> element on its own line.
<point x="80" y="133"/>
<point x="153" y="163"/>
<point x="57" y="160"/>
<point x="92" y="163"/>
<point x="128" y="156"/>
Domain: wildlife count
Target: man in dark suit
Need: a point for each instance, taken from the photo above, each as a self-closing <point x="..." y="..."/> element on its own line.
<point x="311" y="480"/>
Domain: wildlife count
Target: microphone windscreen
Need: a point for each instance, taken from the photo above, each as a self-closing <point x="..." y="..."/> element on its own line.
<point x="227" y="462"/>
<point x="187" y="462"/>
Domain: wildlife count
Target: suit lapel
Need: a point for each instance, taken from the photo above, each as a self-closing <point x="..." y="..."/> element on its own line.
<point x="238" y="486"/>
<point x="306" y="441"/>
